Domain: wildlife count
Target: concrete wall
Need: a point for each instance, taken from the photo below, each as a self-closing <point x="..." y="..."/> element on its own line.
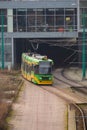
<point x="39" y="4"/>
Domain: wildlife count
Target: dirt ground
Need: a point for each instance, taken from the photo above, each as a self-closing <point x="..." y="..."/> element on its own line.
<point x="9" y="87"/>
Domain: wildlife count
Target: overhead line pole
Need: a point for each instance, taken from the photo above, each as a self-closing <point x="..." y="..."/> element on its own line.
<point x="2" y="32"/>
<point x="83" y="48"/>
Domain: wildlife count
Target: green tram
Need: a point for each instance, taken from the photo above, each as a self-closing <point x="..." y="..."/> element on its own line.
<point x="37" y="68"/>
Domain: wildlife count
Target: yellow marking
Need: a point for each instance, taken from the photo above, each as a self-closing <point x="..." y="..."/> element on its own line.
<point x="42" y="82"/>
<point x="30" y="77"/>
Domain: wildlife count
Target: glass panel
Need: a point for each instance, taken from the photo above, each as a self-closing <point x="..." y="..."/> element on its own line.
<point x="8" y="53"/>
<point x="69" y="20"/>
<point x="21" y="23"/>
<point x="7" y="50"/>
<point x="50" y="20"/>
<point x="69" y="23"/>
<point x="21" y="11"/>
<point x="44" y="70"/>
<point x="75" y="14"/>
<point x="31" y="29"/>
<point x="8" y="40"/>
<point x="45" y="64"/>
<point x="40" y="20"/>
<point x="4" y="12"/>
<point x="31" y="11"/>
<point x="31" y="21"/>
<point x="83" y="10"/>
<point x="40" y="11"/>
<point x="41" y="29"/>
<point x="15" y="23"/>
<point x="49" y="11"/>
<point x="14" y="11"/>
<point x="60" y="11"/>
<point x="21" y="19"/>
<point x="59" y="20"/>
<point x="69" y="11"/>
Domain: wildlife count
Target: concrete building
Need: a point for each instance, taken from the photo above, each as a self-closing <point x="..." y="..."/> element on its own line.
<point x="39" y="19"/>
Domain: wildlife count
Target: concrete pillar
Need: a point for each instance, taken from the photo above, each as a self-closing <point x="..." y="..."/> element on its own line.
<point x="9" y="20"/>
<point x="78" y="16"/>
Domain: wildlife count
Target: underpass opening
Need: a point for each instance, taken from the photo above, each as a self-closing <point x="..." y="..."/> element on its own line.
<point x="63" y="55"/>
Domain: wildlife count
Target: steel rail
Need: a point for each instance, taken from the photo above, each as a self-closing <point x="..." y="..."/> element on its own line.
<point x="67" y="100"/>
<point x="83" y="117"/>
<point x="82" y="113"/>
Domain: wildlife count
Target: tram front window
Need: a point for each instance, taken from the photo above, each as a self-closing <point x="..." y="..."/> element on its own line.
<point x="44" y="70"/>
<point x="45" y="67"/>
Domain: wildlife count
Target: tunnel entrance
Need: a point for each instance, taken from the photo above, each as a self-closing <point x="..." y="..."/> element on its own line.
<point x="63" y="56"/>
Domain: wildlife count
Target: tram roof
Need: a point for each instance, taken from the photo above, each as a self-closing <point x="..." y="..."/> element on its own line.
<point x="36" y="59"/>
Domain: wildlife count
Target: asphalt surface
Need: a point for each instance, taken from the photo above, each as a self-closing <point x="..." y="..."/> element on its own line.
<point x="37" y="109"/>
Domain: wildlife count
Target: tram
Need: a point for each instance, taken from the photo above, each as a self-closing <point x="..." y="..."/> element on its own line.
<point x="37" y="68"/>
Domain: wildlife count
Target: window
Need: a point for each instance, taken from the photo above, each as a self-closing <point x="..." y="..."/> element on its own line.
<point x="59" y="19"/>
<point x="31" y="20"/>
<point x="7" y="50"/>
<point x="45" y="20"/>
<point x="3" y="16"/>
<point x="21" y="18"/>
<point x="70" y="19"/>
<point x="83" y="11"/>
<point x="8" y="53"/>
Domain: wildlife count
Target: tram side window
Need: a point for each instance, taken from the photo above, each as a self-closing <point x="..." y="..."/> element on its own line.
<point x="23" y="66"/>
<point x="36" y="69"/>
<point x="30" y="68"/>
<point x="27" y="68"/>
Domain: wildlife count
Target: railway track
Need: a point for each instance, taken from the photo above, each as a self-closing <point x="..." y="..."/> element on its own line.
<point x="61" y="76"/>
<point x="82" y="90"/>
<point x="70" y="100"/>
<point x="68" y="96"/>
<point x="76" y="86"/>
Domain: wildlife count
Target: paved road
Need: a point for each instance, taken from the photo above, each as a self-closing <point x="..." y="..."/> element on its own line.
<point x="37" y="109"/>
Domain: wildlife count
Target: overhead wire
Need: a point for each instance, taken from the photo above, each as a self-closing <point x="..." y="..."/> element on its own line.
<point x="35" y="47"/>
<point x="70" y="56"/>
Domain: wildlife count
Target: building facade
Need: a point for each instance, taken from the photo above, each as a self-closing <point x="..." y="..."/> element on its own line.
<point x="38" y="19"/>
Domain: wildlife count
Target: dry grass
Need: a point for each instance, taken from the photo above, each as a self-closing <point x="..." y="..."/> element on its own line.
<point x="4" y="110"/>
<point x="9" y="87"/>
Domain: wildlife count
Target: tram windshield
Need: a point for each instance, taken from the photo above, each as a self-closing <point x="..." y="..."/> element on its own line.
<point x="45" y="67"/>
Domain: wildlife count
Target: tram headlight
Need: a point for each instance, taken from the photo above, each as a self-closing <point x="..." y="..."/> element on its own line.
<point x="50" y="78"/>
<point x="40" y="78"/>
